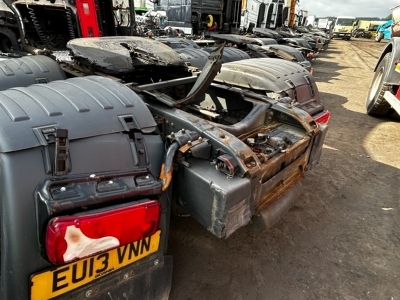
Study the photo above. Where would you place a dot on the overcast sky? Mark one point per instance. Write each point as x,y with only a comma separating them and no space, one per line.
356,8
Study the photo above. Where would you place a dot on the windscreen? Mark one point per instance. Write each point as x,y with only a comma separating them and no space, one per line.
344,22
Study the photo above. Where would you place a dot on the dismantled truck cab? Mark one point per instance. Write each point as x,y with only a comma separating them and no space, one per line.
240,150
248,157
123,147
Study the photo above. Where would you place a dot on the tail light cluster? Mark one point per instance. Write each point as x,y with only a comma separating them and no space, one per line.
87,15
324,118
70,238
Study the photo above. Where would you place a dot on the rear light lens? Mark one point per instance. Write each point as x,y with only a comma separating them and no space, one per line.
398,94
70,238
324,118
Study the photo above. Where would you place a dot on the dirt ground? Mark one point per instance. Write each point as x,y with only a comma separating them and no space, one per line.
341,240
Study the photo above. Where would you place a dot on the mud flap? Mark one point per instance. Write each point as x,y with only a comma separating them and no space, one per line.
316,152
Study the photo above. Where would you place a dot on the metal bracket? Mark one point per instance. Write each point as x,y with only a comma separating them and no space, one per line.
61,153
293,87
140,150
307,78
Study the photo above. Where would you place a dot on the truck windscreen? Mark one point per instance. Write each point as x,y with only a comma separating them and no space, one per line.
344,22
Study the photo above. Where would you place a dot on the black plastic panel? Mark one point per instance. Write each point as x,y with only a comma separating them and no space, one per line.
88,106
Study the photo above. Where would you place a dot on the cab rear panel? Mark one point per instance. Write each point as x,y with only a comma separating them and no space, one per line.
80,147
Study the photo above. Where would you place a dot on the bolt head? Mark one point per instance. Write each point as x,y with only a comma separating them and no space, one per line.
156,262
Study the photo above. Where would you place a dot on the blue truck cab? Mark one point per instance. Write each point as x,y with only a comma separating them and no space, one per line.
384,31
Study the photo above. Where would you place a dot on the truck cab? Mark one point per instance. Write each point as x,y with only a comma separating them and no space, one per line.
343,27
384,31
383,99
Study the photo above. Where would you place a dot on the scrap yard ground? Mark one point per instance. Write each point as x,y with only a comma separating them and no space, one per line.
341,240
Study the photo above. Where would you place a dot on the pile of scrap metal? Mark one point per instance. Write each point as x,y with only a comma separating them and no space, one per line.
309,44
237,47
258,46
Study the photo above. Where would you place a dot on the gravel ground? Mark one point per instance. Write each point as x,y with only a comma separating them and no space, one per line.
341,240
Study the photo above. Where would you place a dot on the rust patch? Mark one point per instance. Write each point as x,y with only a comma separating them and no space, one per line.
186,147
279,190
165,178
262,129
272,166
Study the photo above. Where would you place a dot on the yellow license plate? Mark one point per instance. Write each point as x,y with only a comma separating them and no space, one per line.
57,281
397,68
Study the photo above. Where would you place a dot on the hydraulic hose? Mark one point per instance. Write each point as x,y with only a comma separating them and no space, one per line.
166,168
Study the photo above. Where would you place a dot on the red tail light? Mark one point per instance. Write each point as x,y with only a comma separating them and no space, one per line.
87,15
324,118
398,92
70,238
